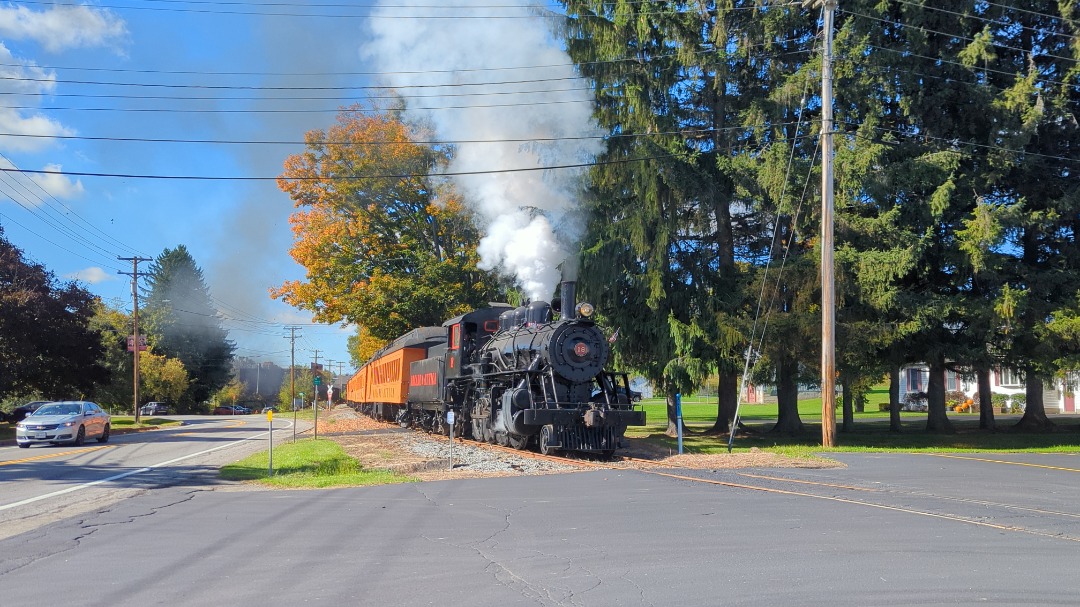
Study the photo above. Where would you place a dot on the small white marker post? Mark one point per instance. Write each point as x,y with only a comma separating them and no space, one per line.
270,418
450,420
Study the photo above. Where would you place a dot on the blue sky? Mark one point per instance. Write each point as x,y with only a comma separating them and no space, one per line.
228,90
237,231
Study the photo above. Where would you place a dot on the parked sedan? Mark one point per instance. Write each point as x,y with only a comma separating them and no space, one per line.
231,410
64,422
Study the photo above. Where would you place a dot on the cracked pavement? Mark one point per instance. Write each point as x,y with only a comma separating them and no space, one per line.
597,538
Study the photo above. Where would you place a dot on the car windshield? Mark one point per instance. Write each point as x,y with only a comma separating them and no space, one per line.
59,410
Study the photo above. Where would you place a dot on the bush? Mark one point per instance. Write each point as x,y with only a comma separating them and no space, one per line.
915,401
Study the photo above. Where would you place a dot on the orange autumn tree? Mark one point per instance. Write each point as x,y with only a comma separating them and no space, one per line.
384,248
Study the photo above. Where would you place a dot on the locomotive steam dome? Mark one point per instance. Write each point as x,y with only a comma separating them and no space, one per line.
577,352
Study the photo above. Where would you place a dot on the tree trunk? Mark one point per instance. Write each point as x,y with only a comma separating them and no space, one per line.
986,404
936,418
894,399
727,400
787,398
672,417
849,421
1034,411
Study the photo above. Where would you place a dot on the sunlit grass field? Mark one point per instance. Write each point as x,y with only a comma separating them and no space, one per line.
308,463
870,430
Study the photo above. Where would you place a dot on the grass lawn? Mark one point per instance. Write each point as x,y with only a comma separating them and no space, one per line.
309,463
127,422
870,430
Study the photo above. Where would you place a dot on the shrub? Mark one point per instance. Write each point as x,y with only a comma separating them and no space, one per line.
915,401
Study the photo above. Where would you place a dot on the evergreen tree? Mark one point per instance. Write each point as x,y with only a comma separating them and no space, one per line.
690,90
181,322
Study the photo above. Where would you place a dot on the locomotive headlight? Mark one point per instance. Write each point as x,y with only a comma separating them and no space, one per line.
585,309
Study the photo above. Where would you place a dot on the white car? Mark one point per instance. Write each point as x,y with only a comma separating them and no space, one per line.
64,422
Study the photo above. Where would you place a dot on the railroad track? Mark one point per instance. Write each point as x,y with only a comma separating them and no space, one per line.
569,459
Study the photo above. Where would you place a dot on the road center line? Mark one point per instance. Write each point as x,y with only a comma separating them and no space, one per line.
52,455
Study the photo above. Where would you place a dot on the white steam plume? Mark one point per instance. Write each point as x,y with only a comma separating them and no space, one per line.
503,79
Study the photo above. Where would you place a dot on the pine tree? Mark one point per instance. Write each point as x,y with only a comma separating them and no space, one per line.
181,322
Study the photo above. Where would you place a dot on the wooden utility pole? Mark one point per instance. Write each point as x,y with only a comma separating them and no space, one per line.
292,375
828,287
134,274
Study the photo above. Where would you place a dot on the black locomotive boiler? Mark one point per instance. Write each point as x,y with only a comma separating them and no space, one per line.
512,376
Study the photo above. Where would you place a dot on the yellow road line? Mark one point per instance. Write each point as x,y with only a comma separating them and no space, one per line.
52,455
1001,461
948,517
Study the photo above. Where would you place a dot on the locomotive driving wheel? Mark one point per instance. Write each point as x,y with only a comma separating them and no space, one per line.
547,434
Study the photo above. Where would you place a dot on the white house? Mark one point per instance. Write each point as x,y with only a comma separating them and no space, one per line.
1057,397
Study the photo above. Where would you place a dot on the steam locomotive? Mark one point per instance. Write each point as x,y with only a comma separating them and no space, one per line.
511,376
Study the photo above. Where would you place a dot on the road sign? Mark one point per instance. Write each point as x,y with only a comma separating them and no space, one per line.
131,343
318,380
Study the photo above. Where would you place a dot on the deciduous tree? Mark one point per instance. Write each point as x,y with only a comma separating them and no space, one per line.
384,247
46,342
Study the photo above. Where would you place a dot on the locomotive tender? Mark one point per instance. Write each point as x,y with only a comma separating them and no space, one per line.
512,376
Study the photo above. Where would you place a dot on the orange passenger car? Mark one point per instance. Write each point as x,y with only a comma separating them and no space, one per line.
388,376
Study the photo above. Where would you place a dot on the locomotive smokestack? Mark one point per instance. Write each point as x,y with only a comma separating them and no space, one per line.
568,303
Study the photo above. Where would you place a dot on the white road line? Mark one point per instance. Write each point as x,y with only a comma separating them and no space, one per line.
123,475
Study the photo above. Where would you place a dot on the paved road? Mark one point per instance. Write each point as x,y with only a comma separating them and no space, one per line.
46,483
887,530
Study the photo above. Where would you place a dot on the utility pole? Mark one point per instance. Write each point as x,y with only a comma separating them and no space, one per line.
292,365
828,288
315,373
134,274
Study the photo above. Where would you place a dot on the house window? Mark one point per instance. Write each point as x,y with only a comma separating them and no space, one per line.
914,380
1009,377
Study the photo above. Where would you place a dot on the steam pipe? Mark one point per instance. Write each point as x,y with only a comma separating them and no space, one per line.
568,303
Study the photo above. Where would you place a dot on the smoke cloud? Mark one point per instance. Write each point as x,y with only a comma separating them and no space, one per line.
509,94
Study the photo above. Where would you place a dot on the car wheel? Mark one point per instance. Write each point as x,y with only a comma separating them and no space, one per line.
24,445
104,438
80,438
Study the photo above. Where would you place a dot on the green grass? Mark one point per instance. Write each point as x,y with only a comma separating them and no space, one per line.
870,431
310,463
123,422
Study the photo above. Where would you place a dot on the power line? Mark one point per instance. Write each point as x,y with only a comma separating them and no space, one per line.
531,11
341,177
688,133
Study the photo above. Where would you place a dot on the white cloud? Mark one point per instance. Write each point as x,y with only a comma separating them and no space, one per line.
92,275
42,129
59,186
24,81
62,27
44,185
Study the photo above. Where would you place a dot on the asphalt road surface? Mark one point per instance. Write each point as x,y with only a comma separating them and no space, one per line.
46,483
887,530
